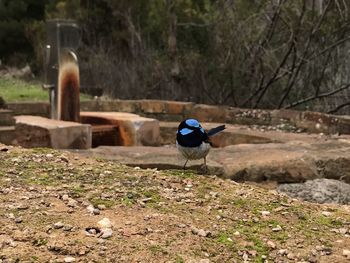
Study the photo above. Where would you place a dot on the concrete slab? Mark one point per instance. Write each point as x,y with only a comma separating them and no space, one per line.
34,131
294,161
133,129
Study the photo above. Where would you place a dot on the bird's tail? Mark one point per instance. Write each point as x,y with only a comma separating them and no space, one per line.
215,130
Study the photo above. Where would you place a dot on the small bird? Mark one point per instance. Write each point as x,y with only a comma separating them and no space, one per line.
193,142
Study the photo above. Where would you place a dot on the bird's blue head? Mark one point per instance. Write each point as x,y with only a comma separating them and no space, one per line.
192,123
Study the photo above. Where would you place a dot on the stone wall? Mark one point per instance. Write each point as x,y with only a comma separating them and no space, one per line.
312,122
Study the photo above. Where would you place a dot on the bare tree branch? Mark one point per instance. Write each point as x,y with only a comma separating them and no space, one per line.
314,97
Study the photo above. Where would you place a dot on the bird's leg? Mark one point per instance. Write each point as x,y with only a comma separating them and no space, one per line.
185,164
205,170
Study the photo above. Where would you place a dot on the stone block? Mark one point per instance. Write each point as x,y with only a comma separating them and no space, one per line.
317,122
90,105
208,113
178,107
30,108
287,115
132,129
132,106
153,106
6,118
34,131
343,125
7,134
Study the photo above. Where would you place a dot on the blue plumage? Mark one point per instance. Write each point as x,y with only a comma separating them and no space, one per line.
192,140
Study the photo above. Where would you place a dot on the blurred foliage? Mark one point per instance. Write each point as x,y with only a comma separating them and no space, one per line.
246,53
18,19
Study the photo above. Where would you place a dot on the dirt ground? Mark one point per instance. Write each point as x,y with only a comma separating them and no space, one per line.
52,204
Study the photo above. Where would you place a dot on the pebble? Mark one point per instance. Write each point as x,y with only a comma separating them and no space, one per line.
65,197
265,213
271,244
277,228
91,231
101,207
69,259
96,211
11,216
105,223
67,228
282,252
18,220
72,202
346,253
204,260
290,256
106,233
203,233
90,209
200,232
326,213
58,225
236,233
343,231
312,259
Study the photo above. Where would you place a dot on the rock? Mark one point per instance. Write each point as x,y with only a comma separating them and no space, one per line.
65,197
294,159
18,220
72,202
105,223
346,253
58,225
271,244
326,213
106,233
236,233
277,228
68,228
91,231
282,252
69,259
290,256
96,211
34,131
265,213
90,209
319,191
101,207
200,232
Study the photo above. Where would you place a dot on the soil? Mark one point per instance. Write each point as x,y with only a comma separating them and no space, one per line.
52,201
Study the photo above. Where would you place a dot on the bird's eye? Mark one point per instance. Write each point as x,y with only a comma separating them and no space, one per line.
185,131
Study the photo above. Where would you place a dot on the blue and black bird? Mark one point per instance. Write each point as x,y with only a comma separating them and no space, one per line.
192,141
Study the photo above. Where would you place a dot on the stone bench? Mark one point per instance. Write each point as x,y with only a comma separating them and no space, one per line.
34,131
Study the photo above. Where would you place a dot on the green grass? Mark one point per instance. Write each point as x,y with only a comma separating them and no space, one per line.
16,90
